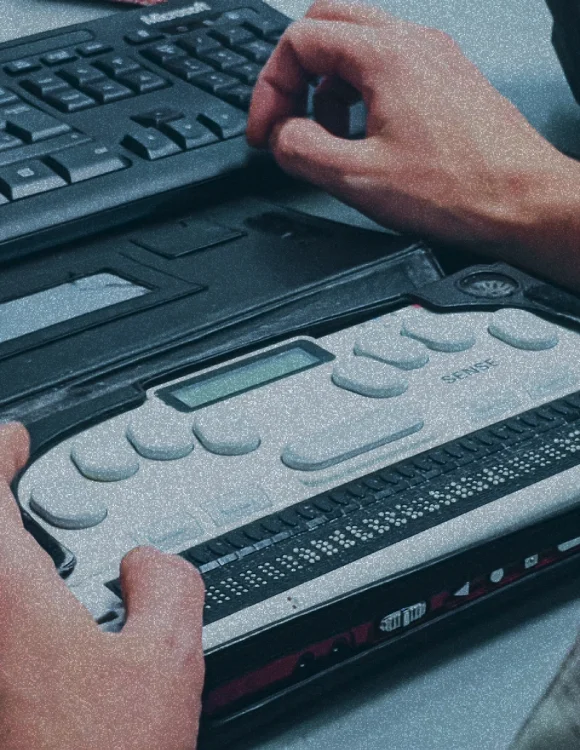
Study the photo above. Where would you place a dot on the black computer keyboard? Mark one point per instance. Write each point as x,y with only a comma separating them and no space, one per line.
104,121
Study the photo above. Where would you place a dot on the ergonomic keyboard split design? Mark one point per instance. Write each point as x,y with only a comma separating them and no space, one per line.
100,121
323,465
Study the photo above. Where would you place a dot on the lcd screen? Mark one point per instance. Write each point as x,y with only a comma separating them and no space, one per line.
246,376
64,302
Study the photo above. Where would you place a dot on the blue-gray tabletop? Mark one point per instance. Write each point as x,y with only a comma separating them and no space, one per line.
474,691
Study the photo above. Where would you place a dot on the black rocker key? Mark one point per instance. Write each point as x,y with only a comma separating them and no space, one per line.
28,178
85,162
232,34
107,91
58,57
215,82
150,144
40,84
240,96
222,59
80,73
188,133
223,120
153,118
31,124
70,100
257,51
116,65
141,81
248,73
187,68
197,42
162,52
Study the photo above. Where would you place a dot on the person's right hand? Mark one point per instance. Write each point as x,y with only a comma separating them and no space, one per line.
445,155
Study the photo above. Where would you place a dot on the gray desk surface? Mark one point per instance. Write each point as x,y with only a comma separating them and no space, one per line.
471,693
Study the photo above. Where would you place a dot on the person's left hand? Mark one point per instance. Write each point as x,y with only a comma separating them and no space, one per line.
66,684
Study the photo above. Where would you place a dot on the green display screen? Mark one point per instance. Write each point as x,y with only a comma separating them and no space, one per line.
234,379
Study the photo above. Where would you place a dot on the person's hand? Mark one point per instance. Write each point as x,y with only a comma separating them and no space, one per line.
64,683
445,155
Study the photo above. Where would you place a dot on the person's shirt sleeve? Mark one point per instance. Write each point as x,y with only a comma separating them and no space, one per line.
554,724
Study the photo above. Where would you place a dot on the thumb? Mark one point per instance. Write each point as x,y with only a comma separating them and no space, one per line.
14,446
163,597
307,150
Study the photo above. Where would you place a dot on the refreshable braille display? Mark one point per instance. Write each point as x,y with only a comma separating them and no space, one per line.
309,469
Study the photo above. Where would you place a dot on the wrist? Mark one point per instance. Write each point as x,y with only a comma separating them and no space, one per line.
543,228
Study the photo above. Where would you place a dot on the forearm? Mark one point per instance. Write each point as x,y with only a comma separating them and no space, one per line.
543,232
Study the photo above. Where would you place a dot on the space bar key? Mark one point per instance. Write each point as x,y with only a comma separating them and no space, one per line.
347,439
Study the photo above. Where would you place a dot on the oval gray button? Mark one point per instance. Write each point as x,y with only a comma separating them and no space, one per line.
442,333
159,438
348,439
369,378
104,460
523,330
67,507
226,435
392,348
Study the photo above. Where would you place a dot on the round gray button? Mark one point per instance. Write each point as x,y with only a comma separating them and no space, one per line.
104,460
442,333
225,435
369,378
522,330
392,348
160,438
67,507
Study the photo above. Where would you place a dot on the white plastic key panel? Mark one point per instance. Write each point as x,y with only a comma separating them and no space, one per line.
175,478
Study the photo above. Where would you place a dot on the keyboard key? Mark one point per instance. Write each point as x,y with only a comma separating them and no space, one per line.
17,67
28,178
188,133
215,82
70,100
222,59
224,122
7,97
106,91
257,51
150,144
240,96
40,84
116,65
58,57
155,117
90,49
31,124
369,378
68,506
197,42
141,36
8,141
522,330
187,68
265,27
162,52
248,73
101,461
233,34
348,439
85,162
141,81
81,73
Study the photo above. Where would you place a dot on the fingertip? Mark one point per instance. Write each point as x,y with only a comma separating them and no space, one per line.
14,449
